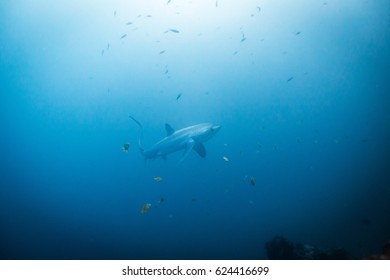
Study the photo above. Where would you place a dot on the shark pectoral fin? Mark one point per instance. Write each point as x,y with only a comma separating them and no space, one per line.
200,149
169,129
189,146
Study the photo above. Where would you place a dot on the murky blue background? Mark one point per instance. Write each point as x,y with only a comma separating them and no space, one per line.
301,89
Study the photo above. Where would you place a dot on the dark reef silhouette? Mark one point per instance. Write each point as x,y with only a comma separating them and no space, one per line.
280,248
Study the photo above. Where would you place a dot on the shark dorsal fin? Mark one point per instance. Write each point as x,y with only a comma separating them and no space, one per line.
169,129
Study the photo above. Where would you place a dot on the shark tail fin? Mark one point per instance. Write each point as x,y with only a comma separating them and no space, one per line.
140,135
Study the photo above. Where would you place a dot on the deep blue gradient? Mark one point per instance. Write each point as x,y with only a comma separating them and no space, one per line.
301,89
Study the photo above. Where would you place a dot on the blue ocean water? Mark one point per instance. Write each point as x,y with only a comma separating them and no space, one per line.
300,88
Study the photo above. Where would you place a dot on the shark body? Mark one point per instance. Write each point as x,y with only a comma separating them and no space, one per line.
187,139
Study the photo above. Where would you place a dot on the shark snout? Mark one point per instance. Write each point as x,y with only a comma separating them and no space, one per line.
215,128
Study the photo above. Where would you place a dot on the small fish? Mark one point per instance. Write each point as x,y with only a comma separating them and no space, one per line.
162,52
174,30
225,159
129,23
126,147
258,9
149,16
123,36
145,208
108,46
216,3
161,200
158,179
252,180
243,38
299,32
169,1
166,71
178,96
290,79
114,13
102,52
